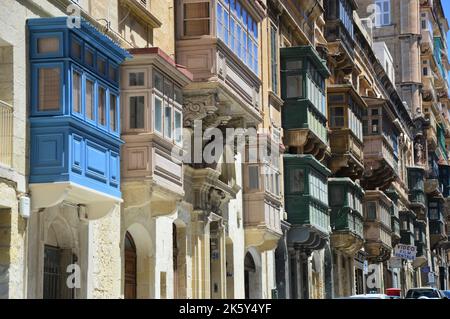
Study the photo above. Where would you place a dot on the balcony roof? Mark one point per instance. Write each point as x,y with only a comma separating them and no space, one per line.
307,160
87,31
310,53
348,181
142,55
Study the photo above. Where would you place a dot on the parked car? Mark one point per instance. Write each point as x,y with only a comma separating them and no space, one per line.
425,293
394,293
446,293
370,296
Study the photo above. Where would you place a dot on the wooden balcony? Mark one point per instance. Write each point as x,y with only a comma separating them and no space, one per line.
306,200
262,198
220,75
346,136
377,225
381,138
420,242
416,185
6,133
151,175
303,91
345,199
380,162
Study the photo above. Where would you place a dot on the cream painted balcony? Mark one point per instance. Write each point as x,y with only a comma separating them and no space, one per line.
225,69
380,146
377,225
6,134
152,129
262,201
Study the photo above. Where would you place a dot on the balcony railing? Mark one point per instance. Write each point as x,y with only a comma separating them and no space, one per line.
6,133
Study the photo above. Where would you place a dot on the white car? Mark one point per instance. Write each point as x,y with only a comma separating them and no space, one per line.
425,293
368,296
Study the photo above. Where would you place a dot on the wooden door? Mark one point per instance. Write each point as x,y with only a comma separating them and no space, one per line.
130,267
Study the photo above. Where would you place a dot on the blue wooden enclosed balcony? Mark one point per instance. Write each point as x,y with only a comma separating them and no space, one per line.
303,90
306,200
346,203
74,115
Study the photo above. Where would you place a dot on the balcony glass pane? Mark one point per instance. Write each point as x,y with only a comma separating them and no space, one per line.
294,86
297,180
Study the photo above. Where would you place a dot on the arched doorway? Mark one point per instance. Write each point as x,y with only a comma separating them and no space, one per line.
252,277
130,267
58,253
250,269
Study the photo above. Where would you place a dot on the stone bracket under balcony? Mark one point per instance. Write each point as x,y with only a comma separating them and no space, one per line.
160,200
98,204
347,242
307,141
307,236
210,193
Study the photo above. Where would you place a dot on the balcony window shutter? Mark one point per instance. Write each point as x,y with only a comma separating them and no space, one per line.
196,19
47,45
49,89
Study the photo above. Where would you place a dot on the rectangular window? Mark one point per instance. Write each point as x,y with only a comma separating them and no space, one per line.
49,89
382,12
76,49
76,92
47,45
168,121
196,19
274,58
137,111
101,106
112,73
90,99
158,82
101,65
136,79
253,177
178,95
178,127
157,121
113,112
371,211
297,180
89,58
294,86
337,117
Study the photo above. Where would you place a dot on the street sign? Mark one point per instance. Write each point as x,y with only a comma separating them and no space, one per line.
426,269
405,251
395,262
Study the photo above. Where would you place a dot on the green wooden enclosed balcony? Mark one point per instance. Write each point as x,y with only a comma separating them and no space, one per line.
303,90
346,217
306,198
416,185
407,219
420,241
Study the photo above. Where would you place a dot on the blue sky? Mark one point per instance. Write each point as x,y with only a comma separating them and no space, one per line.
446,5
